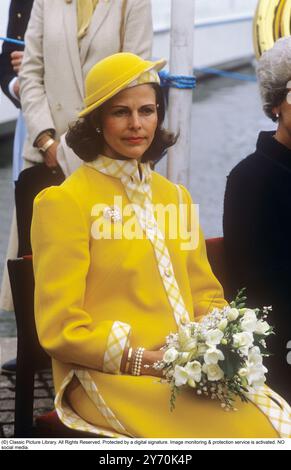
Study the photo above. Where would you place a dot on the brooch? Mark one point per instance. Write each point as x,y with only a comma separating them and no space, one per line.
112,213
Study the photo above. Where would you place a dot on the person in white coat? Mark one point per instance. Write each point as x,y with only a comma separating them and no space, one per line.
64,39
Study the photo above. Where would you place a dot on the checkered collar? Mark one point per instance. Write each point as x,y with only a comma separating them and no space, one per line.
126,170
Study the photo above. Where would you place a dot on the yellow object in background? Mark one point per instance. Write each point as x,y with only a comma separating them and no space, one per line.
278,19
271,22
286,19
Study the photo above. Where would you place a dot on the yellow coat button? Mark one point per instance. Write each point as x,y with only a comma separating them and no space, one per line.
168,272
184,319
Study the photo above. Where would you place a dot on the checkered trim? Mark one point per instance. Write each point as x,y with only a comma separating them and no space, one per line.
73,421
117,341
123,169
164,263
275,408
139,193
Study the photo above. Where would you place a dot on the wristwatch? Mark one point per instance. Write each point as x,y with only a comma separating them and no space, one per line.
46,145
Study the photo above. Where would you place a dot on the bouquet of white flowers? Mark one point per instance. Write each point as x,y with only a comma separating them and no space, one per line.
220,357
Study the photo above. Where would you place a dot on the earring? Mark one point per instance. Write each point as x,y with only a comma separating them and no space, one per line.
98,130
277,115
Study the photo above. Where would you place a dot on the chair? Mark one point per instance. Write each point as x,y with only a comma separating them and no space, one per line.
31,357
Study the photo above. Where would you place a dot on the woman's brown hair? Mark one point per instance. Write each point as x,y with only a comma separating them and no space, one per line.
84,140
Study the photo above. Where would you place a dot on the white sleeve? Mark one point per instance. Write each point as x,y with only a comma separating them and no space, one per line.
11,90
138,31
33,96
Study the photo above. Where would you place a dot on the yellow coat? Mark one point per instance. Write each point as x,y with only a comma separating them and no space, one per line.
85,286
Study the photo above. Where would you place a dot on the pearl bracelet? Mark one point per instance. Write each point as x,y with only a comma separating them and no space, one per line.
136,368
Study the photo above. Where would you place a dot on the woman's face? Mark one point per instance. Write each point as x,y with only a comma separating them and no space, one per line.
129,121
283,133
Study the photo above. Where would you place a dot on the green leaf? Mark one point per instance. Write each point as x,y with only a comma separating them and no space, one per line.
240,300
231,363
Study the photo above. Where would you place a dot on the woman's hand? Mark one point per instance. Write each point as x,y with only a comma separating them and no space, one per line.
50,156
16,60
149,358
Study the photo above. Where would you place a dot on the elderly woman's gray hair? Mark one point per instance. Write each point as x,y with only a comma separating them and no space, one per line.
274,72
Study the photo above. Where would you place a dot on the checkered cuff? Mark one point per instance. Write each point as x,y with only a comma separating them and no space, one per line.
118,339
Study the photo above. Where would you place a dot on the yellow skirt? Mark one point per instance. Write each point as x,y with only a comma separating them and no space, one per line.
142,405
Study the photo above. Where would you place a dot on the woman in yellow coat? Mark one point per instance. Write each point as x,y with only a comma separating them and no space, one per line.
112,277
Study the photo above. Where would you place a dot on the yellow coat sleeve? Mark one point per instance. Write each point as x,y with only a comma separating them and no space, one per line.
207,292
60,237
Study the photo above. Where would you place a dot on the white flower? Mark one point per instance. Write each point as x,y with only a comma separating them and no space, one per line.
202,348
256,375
222,324
184,356
259,383
243,341
180,376
184,334
213,371
232,314
243,372
213,337
262,327
213,355
170,355
254,356
249,321
194,370
187,342
242,311
255,368
191,345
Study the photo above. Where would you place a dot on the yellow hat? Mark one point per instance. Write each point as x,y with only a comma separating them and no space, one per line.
112,74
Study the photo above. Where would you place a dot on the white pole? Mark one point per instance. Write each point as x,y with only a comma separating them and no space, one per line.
180,101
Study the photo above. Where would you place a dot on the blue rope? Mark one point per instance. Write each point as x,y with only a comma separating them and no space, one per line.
12,41
187,82
228,74
183,82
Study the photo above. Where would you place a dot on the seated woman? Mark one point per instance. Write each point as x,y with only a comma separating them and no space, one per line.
257,208
111,282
